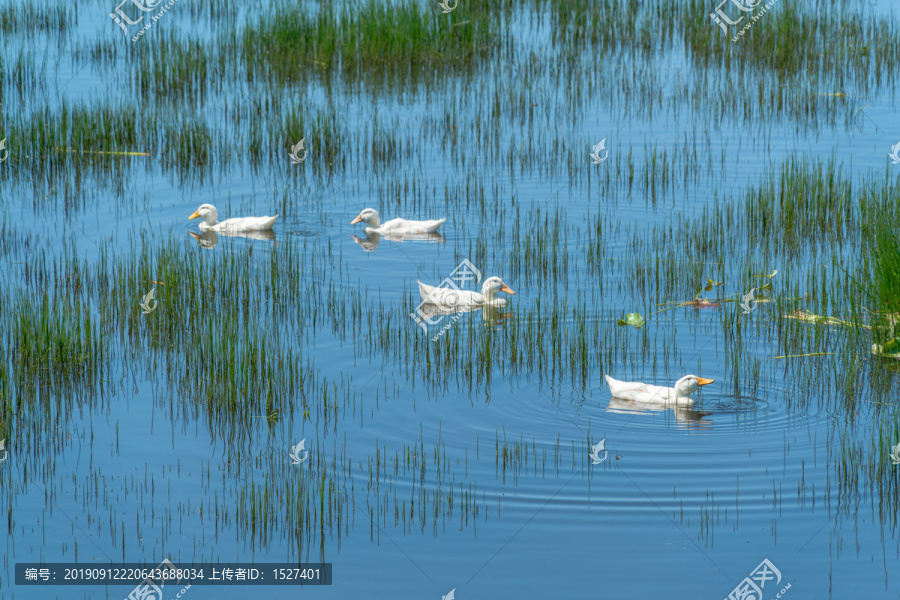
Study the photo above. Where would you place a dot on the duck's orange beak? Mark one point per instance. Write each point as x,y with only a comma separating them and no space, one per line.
194,216
506,288
194,235
356,220
702,381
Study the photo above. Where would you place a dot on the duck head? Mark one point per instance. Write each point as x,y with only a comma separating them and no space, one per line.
369,216
689,384
207,212
492,286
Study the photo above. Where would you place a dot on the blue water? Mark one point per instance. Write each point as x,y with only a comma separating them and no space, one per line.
686,502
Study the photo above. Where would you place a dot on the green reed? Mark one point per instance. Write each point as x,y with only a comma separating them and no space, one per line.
292,40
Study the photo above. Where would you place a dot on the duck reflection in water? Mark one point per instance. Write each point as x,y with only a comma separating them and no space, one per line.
370,242
489,314
209,239
684,417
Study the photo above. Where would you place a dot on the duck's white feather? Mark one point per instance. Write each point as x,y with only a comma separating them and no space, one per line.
634,390
402,226
656,394
454,298
209,221
241,224
395,226
448,297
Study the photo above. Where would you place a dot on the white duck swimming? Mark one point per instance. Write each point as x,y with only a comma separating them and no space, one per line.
451,298
644,392
401,226
209,214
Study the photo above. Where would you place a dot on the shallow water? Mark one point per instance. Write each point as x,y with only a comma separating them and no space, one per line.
463,463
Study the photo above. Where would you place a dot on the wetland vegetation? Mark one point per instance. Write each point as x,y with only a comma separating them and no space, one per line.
463,460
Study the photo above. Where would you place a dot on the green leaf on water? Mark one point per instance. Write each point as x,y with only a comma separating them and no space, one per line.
770,275
633,319
823,320
710,284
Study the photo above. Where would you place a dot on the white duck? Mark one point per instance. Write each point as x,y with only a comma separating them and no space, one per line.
209,214
644,392
396,226
452,298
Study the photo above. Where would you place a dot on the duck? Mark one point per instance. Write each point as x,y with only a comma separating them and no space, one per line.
455,298
210,222
644,392
395,226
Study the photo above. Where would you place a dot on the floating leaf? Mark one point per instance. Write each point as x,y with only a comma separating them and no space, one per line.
112,153
770,275
822,320
633,319
710,284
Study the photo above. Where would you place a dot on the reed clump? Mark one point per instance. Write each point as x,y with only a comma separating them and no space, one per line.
291,39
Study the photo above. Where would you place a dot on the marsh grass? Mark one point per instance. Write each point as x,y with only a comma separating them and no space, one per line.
611,25
886,267
232,343
173,70
835,42
875,284
330,47
32,17
291,41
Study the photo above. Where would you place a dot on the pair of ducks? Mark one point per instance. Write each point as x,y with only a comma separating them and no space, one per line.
444,297
625,390
210,222
430,294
